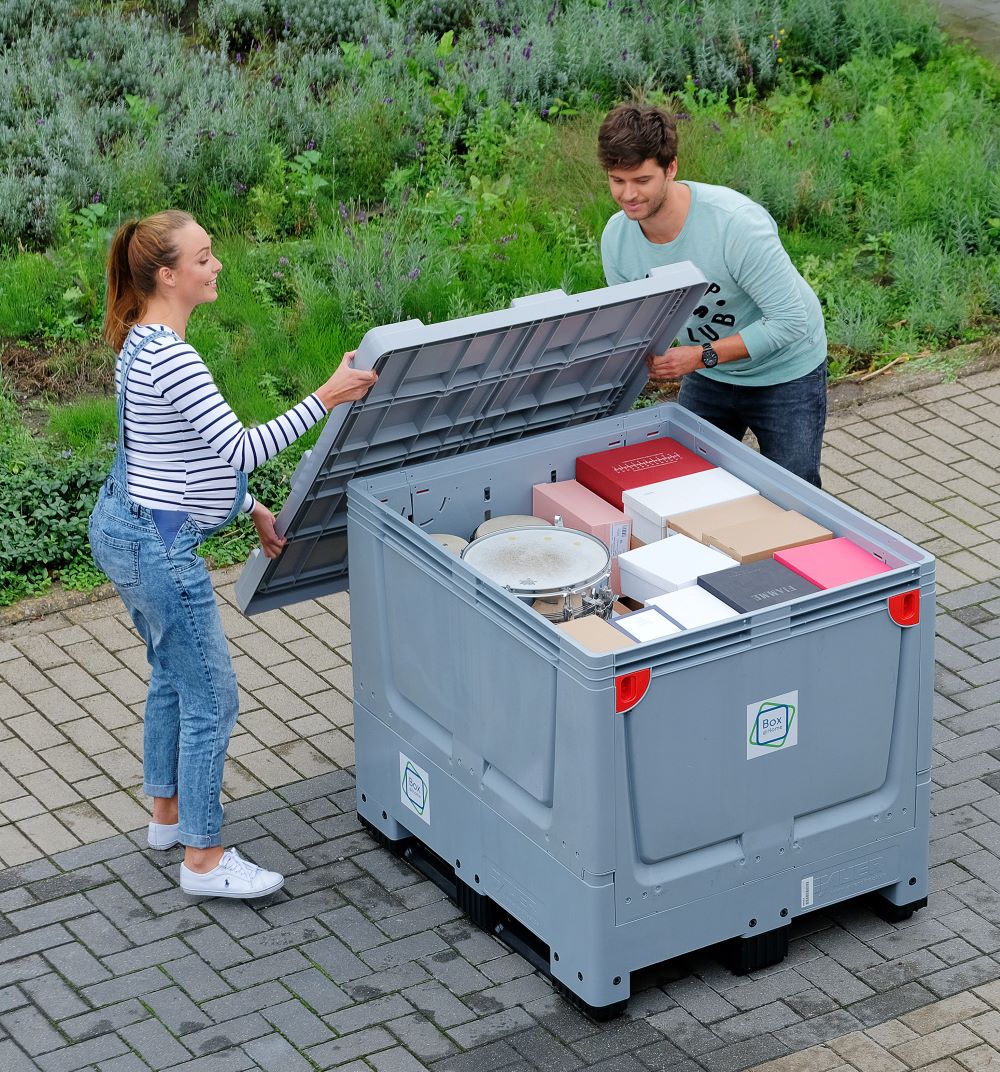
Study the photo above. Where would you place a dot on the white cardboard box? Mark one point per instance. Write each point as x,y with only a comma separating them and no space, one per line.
692,607
667,565
657,503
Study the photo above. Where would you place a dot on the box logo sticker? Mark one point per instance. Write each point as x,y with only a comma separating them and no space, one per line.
772,725
415,788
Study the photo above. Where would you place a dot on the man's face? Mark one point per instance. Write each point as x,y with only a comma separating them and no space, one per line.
641,191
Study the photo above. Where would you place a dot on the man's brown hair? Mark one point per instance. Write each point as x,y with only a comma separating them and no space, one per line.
634,133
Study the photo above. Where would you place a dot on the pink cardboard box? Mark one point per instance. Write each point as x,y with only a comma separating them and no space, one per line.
581,509
831,563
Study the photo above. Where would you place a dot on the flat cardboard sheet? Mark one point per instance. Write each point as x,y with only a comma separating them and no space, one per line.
596,635
761,537
699,523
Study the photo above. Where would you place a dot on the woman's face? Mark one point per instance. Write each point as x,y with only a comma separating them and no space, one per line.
192,280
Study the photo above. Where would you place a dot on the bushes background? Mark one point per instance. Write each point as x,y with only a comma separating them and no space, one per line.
105,100
361,163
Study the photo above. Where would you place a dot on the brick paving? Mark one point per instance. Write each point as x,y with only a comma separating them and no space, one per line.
361,964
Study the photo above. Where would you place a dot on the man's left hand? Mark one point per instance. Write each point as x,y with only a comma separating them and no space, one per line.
678,361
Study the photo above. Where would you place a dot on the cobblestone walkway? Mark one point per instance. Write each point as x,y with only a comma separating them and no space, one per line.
362,964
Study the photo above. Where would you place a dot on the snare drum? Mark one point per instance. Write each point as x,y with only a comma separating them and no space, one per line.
560,572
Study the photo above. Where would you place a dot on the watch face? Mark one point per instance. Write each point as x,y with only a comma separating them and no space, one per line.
709,358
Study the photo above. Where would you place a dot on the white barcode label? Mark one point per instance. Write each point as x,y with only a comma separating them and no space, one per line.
619,539
807,892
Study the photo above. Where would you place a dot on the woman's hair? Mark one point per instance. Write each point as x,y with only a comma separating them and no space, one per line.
138,250
634,133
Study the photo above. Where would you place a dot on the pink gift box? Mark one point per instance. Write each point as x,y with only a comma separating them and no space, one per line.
831,563
581,509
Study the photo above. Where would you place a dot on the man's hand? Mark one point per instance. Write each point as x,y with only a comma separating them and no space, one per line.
263,522
678,361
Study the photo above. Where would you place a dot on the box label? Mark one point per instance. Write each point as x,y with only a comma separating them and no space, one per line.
619,538
772,725
807,892
415,788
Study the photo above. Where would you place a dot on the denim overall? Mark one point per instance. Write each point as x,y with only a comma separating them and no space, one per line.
192,703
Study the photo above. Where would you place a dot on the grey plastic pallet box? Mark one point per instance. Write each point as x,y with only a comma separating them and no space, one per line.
602,813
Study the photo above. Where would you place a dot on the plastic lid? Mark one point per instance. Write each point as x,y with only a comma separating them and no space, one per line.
549,361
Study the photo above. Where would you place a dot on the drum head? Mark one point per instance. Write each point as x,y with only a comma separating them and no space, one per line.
455,544
539,560
510,521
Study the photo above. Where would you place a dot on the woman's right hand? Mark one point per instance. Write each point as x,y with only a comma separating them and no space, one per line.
347,384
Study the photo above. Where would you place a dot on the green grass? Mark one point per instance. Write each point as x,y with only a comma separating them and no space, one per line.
85,427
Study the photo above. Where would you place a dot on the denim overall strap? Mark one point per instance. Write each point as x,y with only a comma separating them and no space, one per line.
118,477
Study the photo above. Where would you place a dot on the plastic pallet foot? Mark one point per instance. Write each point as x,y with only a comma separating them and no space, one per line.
397,848
894,913
744,955
600,1013
478,907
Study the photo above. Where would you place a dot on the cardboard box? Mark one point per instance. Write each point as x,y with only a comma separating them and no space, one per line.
647,625
609,473
652,506
697,523
761,537
693,607
756,585
581,509
668,565
830,564
595,634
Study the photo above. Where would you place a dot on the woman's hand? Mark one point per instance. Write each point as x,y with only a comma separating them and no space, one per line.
263,521
347,384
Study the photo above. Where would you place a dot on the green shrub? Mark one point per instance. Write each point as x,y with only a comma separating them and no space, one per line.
43,526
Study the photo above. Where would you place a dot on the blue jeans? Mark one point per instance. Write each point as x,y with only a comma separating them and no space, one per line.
193,702
787,418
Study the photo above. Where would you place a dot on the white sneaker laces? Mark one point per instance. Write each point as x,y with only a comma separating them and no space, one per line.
232,861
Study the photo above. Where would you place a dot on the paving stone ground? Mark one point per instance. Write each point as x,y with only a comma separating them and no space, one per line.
361,964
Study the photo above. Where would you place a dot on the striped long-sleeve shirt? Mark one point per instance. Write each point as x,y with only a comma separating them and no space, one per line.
183,443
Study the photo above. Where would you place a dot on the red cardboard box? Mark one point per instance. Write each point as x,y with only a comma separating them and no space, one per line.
609,473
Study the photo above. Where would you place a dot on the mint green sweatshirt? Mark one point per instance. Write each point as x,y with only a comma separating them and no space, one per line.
754,289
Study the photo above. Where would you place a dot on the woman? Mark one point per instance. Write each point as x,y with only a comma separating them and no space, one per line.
180,474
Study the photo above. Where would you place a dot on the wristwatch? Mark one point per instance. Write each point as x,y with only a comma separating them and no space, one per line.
709,358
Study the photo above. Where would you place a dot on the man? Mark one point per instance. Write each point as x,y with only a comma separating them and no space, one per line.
753,354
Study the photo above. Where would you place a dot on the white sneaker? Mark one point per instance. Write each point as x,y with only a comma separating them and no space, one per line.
233,877
162,835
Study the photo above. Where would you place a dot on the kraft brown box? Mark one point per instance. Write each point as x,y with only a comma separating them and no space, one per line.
760,537
596,635
709,519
